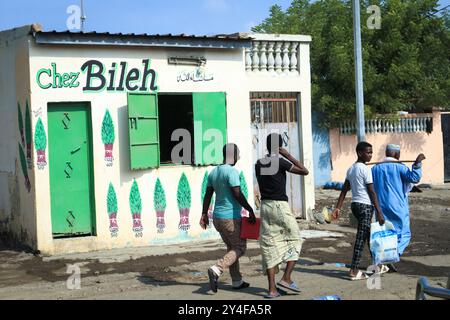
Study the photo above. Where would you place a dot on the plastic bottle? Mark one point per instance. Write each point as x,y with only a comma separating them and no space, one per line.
334,297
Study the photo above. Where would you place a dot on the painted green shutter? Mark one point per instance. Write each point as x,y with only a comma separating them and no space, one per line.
210,112
144,130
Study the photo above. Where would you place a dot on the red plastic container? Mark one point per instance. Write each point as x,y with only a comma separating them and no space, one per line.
250,231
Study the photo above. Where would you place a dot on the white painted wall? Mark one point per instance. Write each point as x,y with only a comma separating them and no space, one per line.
17,216
229,76
228,69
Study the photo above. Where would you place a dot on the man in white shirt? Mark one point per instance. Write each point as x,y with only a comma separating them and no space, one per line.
364,202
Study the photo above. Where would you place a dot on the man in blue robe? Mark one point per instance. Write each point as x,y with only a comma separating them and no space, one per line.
393,181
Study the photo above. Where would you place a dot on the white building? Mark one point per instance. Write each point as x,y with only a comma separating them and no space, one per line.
87,118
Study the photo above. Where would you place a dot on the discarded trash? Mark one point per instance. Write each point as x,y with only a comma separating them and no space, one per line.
339,265
334,297
197,274
319,217
327,214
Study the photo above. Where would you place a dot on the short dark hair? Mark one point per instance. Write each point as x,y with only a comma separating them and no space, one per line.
273,137
230,146
360,147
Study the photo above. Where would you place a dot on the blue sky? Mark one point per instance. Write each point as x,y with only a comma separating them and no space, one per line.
144,16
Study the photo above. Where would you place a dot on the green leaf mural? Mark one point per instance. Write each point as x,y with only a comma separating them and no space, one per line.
204,186
135,199
159,197
27,124
20,118
244,187
40,138
108,136
28,134
111,200
23,164
184,193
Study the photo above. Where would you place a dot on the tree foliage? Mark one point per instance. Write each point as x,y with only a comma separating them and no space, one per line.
406,62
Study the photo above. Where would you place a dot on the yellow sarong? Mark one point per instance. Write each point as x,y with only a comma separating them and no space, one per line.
279,234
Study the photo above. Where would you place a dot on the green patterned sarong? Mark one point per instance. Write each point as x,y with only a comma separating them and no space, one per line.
279,234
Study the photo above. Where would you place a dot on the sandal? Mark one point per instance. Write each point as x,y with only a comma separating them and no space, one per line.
272,296
359,276
383,269
292,286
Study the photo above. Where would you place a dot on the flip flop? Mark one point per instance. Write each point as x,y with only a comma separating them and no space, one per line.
292,286
383,269
272,296
359,276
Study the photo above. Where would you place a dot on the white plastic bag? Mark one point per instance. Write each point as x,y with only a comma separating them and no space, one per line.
383,243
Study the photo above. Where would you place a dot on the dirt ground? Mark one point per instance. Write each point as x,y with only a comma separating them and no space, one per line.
179,272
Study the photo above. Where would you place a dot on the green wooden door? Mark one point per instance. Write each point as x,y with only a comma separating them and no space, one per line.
70,163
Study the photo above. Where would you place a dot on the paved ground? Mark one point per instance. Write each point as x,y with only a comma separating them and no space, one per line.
179,272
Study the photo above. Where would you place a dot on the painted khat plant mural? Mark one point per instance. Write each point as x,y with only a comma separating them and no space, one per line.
20,118
244,190
40,144
28,135
136,209
23,164
111,203
211,205
108,137
184,202
159,204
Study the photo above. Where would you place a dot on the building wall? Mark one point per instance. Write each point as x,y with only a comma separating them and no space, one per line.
321,153
343,150
300,84
228,70
17,218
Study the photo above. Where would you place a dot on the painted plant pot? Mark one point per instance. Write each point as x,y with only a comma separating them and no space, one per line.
137,225
113,227
109,154
184,220
41,161
160,222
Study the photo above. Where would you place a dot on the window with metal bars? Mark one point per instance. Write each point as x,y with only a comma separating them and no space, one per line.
273,108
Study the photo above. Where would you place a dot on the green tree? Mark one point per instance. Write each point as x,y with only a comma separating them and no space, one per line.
406,62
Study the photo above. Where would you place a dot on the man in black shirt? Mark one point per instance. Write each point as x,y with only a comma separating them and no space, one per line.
280,236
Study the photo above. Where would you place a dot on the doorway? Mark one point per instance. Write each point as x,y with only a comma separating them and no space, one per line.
277,112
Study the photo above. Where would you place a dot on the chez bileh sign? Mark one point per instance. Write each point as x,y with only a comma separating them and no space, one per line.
94,76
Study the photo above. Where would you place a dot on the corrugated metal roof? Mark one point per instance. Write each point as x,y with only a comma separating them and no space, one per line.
225,41
234,36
